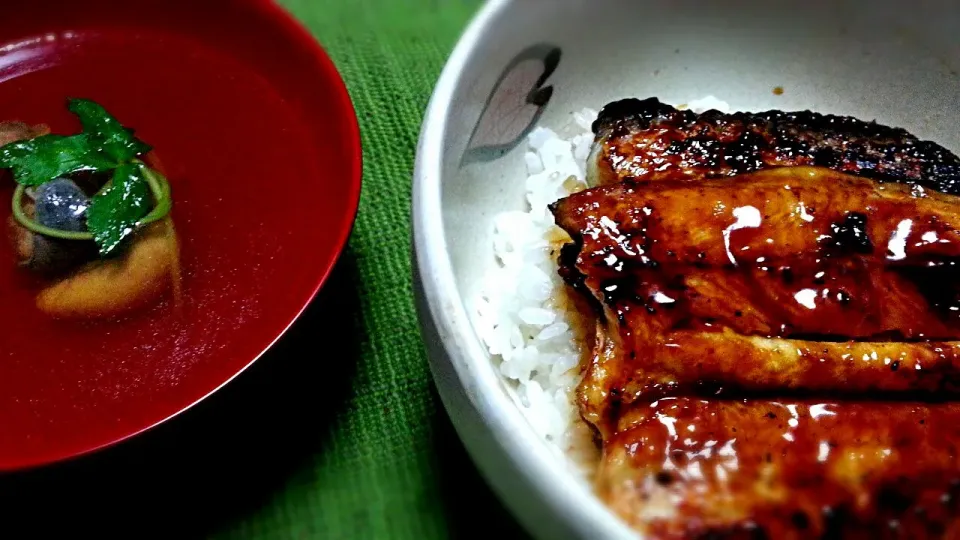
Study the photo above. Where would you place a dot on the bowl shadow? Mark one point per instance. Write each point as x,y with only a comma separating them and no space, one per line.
471,507
220,460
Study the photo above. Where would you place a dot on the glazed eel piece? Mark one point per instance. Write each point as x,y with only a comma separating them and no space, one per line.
780,253
692,468
648,140
777,351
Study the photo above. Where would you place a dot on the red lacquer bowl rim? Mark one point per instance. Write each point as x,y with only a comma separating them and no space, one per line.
301,36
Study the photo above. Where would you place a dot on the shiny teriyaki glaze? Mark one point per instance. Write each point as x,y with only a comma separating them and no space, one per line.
778,342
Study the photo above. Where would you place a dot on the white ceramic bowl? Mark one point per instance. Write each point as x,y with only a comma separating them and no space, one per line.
896,62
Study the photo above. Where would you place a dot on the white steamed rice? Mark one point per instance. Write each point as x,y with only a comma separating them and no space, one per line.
519,313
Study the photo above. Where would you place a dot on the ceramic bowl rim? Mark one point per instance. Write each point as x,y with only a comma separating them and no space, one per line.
564,494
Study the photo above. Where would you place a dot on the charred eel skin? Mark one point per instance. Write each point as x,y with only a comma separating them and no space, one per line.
645,139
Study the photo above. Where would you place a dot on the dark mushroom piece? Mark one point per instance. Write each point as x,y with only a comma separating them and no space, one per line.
62,205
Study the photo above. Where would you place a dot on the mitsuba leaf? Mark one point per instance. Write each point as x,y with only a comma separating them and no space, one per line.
115,140
105,146
39,160
115,211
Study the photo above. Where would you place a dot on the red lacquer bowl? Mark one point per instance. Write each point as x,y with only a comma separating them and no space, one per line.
258,137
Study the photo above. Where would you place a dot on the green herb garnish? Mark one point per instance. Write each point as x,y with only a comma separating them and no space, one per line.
114,140
116,210
37,161
123,203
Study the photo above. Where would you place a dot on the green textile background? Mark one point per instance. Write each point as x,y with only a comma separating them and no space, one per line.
392,467
337,432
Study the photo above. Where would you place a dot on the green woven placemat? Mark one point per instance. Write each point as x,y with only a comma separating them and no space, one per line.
391,466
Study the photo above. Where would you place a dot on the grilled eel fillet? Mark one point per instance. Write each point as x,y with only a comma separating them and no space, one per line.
749,309
693,468
649,140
